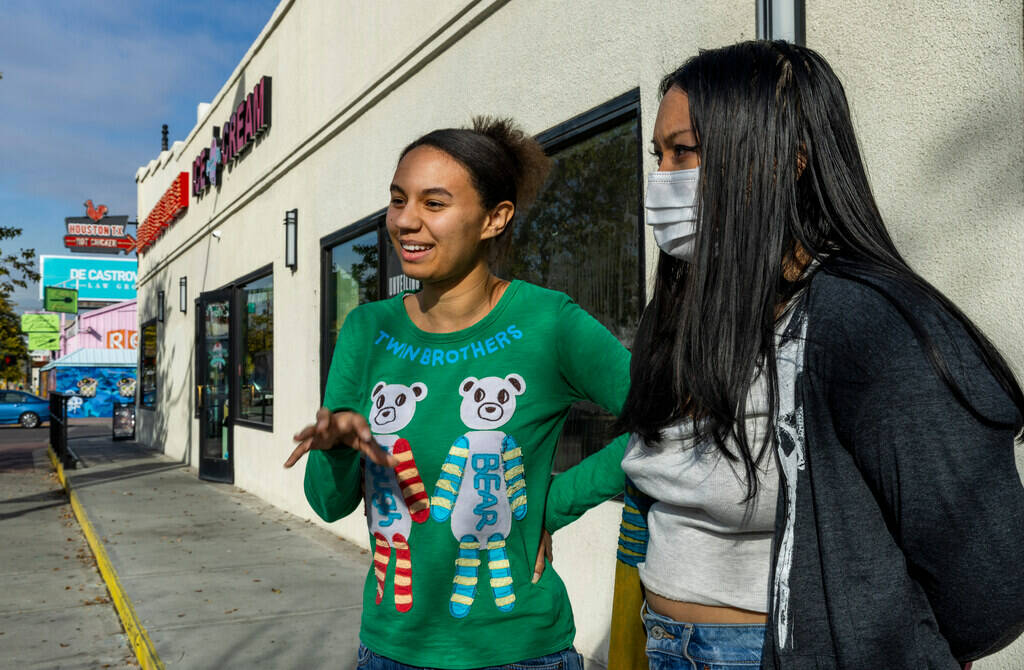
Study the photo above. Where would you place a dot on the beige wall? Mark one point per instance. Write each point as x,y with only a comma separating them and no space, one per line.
937,95
941,133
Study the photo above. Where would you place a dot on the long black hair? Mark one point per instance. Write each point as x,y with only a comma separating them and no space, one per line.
781,179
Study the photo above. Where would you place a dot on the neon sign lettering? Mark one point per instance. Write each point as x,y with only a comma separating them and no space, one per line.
171,205
249,120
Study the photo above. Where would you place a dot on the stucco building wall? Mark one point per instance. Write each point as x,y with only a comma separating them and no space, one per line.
939,122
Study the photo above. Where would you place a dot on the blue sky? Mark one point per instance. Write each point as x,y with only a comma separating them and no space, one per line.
86,86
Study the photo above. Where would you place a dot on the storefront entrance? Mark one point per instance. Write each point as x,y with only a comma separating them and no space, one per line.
213,349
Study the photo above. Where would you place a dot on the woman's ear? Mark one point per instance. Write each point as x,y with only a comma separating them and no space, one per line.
497,220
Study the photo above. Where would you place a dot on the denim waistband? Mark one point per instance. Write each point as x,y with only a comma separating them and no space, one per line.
734,644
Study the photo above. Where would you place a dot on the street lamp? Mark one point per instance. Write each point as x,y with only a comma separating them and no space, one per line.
291,225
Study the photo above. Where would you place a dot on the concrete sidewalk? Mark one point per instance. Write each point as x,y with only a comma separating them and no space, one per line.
55,611
219,578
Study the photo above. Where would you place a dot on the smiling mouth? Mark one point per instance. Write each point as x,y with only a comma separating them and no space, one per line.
414,247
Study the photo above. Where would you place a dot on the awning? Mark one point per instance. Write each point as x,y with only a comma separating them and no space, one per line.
97,358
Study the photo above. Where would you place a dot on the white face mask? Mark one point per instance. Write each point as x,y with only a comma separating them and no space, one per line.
671,207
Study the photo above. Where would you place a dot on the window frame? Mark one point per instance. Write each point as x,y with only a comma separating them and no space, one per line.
593,122
371,223
237,347
620,109
141,374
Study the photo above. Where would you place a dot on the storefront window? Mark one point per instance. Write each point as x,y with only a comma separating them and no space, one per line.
352,279
583,237
148,366
256,383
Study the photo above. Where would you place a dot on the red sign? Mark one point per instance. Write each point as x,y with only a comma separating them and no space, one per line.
105,234
98,229
95,213
172,204
122,339
126,243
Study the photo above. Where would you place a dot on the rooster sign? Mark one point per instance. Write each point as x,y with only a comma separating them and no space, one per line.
95,213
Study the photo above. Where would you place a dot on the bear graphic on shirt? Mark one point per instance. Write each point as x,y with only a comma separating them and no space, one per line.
482,487
395,497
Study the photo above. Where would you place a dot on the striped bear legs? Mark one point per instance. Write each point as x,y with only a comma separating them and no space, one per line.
403,574
381,556
403,569
467,567
464,583
501,575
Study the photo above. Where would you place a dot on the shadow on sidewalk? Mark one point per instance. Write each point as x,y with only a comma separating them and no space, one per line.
54,498
106,461
83,479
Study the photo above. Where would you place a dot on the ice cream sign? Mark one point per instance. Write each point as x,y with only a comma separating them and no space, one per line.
248,120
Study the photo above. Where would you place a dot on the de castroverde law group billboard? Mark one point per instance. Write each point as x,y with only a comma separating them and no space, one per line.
101,279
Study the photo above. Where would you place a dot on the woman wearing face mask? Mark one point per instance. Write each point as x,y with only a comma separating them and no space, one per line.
823,444
456,395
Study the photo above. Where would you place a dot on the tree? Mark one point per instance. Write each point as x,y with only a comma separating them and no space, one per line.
16,270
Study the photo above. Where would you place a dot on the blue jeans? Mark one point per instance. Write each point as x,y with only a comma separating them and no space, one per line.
567,659
672,645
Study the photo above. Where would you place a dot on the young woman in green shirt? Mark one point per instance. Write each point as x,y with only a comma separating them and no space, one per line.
454,397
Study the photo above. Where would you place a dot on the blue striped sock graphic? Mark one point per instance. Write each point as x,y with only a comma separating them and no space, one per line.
464,582
501,575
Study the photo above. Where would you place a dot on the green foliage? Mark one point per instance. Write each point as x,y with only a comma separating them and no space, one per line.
12,342
16,270
365,271
581,234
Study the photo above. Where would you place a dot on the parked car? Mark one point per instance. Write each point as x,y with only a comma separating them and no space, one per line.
24,408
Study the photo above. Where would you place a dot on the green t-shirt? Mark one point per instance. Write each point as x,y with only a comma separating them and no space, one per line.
473,417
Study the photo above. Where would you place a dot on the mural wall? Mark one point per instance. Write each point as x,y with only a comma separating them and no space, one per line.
94,389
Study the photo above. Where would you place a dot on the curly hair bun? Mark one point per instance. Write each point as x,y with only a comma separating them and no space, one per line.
530,164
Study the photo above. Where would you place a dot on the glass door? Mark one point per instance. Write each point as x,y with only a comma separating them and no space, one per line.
213,348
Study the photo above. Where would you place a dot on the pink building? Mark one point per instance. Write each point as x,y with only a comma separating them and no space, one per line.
112,327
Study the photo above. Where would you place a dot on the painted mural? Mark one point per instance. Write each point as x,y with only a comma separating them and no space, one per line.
94,389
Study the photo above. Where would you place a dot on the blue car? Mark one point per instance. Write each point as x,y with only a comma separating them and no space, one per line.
23,408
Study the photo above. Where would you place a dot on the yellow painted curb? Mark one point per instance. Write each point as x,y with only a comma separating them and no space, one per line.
145,652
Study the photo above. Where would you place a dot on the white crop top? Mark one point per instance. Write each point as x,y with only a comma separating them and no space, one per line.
705,544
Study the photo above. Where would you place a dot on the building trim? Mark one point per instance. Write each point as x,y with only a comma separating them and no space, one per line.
457,26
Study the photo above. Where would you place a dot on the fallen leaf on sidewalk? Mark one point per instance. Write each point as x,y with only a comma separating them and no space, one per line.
275,590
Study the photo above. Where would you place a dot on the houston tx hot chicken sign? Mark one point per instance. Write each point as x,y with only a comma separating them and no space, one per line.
98,233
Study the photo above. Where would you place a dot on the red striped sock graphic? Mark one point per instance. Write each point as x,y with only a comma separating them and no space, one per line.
413,490
381,556
403,574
